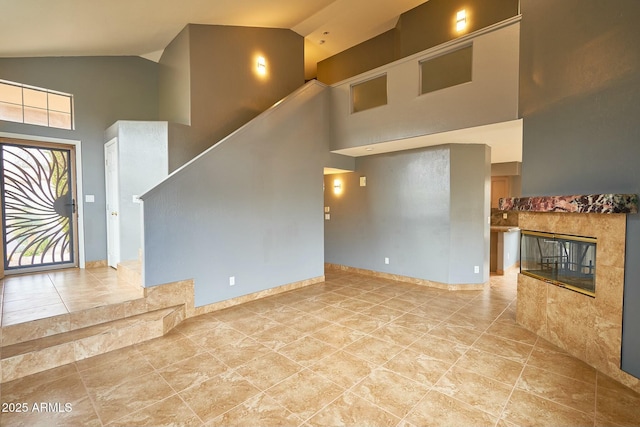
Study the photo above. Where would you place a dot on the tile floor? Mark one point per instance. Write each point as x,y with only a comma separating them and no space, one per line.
35,296
354,350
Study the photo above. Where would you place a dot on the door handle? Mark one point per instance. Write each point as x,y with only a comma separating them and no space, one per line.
73,205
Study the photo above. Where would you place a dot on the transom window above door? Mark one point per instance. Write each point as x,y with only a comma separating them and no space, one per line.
35,106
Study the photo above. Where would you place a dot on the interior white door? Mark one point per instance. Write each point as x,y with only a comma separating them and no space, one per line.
113,218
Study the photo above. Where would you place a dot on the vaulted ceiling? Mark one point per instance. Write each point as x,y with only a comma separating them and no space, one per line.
145,27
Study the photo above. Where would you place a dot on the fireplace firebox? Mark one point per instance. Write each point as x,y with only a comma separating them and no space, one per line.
563,260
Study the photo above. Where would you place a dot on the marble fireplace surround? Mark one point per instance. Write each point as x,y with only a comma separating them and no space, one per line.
587,328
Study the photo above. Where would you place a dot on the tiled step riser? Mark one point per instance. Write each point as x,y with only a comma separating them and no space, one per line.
33,362
131,272
156,297
41,328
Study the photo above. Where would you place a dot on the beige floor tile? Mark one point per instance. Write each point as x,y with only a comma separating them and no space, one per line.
416,323
352,410
260,410
277,337
115,372
525,409
129,396
617,403
389,343
338,336
513,350
308,323
471,388
562,364
241,352
305,393
219,337
218,395
440,410
396,334
343,368
363,323
63,414
192,371
566,391
390,391
166,351
513,332
458,334
438,348
374,350
418,367
500,369
307,350
169,412
268,370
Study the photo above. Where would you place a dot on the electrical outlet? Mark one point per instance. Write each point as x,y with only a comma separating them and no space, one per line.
232,280
504,215
476,269
386,260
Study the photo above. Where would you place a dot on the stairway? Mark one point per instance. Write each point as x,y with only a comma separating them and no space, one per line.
43,344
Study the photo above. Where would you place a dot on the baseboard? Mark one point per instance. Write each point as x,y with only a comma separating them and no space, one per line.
412,280
209,308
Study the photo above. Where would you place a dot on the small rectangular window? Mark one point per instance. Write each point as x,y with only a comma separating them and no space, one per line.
36,106
450,69
369,94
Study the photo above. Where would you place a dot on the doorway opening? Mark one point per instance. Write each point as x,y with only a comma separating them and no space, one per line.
39,208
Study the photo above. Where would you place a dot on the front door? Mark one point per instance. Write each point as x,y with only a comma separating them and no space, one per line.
39,215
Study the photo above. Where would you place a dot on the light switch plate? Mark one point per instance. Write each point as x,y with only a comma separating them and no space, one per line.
327,216
363,181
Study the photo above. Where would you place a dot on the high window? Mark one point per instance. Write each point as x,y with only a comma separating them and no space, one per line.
35,106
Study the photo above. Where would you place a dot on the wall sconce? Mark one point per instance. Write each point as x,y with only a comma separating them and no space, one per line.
337,186
461,20
262,66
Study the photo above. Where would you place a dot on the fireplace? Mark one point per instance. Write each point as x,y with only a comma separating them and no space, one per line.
560,259
586,323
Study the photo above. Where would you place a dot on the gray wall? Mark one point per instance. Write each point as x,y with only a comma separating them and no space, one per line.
143,162
417,208
105,89
175,81
580,86
249,207
428,25
492,96
217,66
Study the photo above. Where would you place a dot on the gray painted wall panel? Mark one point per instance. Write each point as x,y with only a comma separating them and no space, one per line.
105,89
491,97
250,207
143,163
580,85
405,213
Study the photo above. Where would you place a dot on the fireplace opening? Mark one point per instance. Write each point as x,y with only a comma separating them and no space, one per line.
559,259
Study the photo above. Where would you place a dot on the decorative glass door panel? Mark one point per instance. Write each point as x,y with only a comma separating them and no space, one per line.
38,199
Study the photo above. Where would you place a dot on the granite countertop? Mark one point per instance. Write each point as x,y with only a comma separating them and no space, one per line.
504,228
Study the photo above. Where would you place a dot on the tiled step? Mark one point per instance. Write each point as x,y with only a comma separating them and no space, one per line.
29,357
130,271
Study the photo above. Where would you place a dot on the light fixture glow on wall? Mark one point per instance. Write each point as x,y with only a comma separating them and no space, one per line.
337,186
262,66
461,20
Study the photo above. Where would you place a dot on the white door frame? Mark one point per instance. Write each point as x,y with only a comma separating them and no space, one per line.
113,236
80,205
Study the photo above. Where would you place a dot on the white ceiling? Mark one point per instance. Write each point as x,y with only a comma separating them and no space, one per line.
145,27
